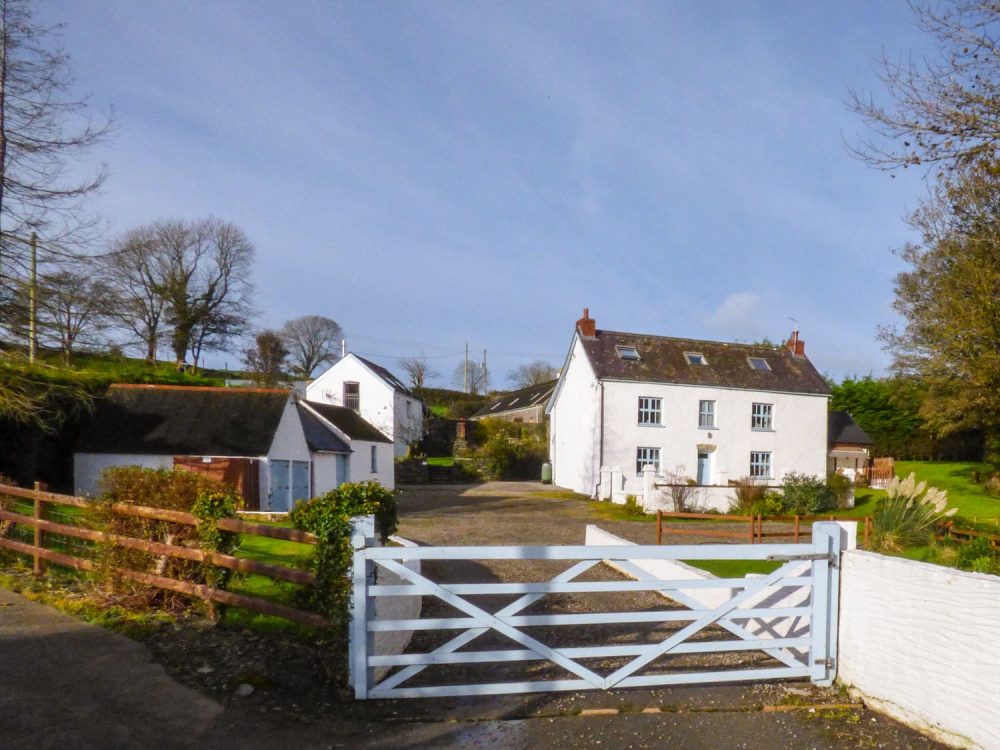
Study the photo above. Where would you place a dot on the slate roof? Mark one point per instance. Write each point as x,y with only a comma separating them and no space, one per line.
841,428
319,437
182,420
349,422
387,376
662,360
534,395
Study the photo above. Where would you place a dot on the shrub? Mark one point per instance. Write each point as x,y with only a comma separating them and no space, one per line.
633,507
807,495
978,556
841,487
329,518
683,494
172,490
748,494
906,517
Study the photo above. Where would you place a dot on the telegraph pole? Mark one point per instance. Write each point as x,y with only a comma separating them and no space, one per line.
486,377
465,379
33,302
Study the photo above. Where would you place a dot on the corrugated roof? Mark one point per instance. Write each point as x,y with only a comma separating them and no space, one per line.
841,428
181,420
534,395
319,437
662,360
349,422
387,376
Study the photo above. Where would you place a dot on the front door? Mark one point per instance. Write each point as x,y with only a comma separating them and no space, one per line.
300,481
704,469
278,499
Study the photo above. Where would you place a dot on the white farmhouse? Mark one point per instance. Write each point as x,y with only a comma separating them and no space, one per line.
374,393
708,411
273,449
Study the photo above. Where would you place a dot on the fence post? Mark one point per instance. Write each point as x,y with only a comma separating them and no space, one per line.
796,528
38,567
659,526
361,642
828,540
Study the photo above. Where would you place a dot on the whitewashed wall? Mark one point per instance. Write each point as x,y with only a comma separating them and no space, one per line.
87,468
797,443
361,463
922,643
408,422
324,473
574,429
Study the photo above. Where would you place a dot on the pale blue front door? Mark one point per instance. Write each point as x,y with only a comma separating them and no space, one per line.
278,498
300,481
703,468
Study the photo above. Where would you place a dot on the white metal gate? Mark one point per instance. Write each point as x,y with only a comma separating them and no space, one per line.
789,617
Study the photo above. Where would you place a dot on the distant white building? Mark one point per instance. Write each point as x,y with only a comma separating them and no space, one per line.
374,393
709,411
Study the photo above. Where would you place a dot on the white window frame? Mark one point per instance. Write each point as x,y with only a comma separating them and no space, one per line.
650,411
645,455
696,359
762,418
765,368
627,353
761,465
706,418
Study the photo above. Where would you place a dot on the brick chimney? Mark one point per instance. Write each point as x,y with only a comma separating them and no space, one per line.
586,325
796,345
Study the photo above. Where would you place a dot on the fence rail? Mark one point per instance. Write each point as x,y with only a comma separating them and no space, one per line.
40,554
964,536
754,533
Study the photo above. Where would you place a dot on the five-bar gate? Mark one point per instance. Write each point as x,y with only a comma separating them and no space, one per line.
787,617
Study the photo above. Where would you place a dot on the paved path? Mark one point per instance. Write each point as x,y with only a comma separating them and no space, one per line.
67,684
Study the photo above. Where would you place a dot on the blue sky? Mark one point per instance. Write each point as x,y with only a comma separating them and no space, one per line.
435,173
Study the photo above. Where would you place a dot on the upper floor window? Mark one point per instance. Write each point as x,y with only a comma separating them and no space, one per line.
352,396
695,358
761,417
706,414
759,363
647,457
760,464
649,410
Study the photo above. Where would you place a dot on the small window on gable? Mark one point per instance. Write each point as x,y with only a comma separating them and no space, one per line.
627,352
695,358
759,363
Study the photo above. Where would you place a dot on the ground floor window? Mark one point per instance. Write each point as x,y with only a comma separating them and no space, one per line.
647,457
374,459
760,464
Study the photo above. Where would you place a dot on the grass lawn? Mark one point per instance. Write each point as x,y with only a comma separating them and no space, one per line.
974,504
441,461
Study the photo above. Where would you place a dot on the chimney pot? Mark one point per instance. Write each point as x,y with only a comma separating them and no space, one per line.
587,325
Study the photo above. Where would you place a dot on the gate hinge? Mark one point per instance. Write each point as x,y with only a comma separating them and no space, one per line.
827,662
828,556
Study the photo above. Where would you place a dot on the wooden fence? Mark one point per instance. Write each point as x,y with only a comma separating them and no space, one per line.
754,531
40,554
963,536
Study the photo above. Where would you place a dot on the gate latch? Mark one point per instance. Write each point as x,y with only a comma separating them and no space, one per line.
829,557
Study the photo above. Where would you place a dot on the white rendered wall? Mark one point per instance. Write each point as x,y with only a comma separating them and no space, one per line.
289,444
87,468
361,463
324,473
407,428
376,398
797,442
574,427
922,643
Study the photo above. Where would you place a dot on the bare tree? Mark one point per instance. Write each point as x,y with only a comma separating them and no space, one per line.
682,492
43,128
266,358
312,340
418,370
943,111
478,378
73,309
193,276
534,373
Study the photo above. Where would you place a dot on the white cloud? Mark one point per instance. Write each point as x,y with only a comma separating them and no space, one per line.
738,317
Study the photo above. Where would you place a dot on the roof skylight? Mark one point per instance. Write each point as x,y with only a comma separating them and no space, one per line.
759,363
695,358
627,352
